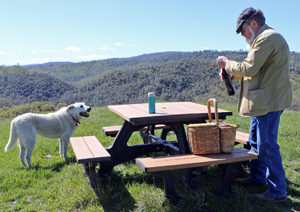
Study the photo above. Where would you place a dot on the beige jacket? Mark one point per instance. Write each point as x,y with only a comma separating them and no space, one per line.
264,75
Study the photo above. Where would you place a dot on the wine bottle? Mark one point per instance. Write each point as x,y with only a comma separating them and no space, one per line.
228,83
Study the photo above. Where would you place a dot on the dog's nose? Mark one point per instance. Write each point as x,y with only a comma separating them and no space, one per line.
89,109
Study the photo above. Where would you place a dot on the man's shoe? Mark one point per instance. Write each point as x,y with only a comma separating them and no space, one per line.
246,182
267,198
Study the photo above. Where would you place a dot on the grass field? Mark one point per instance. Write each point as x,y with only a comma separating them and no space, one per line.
58,185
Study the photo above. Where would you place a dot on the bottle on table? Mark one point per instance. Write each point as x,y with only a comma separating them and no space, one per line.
151,102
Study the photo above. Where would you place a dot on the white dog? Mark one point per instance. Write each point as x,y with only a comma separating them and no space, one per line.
60,124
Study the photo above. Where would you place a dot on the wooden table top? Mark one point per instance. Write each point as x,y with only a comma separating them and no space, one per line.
138,114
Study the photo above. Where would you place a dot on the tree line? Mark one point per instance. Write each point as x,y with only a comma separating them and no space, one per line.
34,107
173,76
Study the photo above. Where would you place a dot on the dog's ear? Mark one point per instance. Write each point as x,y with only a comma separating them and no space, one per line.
70,107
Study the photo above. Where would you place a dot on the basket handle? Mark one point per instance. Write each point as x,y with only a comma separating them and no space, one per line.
216,110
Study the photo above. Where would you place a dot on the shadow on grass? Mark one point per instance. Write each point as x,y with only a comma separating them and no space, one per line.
57,167
293,190
113,194
293,184
202,196
111,190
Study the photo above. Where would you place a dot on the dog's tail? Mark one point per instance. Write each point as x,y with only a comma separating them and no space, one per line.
13,138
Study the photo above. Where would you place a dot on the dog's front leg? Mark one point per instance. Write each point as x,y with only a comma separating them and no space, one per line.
61,147
64,147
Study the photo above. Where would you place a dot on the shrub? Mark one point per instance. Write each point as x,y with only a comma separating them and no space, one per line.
35,107
47,107
61,105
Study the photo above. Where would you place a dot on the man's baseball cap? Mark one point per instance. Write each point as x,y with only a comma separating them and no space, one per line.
244,17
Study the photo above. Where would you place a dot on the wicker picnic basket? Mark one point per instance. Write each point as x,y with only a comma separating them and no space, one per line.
227,137
205,138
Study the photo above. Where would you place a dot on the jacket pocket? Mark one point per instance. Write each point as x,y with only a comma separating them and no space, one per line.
258,101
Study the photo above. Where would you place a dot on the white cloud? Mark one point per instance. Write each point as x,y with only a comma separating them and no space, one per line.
118,44
34,61
56,50
203,47
132,45
73,49
30,61
45,51
105,48
58,59
11,63
3,53
92,57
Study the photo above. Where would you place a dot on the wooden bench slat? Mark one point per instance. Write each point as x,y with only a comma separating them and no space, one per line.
190,160
88,149
242,137
95,146
80,148
242,134
113,130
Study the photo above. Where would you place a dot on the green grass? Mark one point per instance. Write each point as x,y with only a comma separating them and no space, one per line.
58,185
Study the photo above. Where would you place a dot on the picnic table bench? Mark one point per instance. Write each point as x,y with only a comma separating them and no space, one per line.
113,130
89,151
163,164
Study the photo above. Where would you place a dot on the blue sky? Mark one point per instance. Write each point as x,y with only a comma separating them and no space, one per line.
36,31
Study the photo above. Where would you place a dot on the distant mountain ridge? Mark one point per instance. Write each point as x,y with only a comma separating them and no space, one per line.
173,76
43,64
79,73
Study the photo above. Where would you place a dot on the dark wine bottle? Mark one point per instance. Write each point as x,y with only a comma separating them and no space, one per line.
228,83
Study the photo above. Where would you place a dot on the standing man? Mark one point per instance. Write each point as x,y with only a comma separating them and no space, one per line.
265,92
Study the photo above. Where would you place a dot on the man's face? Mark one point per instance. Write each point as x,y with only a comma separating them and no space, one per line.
248,32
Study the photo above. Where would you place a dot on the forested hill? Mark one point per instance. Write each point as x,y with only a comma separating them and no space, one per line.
173,76
20,86
186,80
81,72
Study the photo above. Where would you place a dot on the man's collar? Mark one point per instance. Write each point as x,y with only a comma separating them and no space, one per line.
261,29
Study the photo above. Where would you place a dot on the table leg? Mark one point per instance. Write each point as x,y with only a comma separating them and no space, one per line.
179,130
190,178
145,134
119,150
164,133
90,171
168,184
225,187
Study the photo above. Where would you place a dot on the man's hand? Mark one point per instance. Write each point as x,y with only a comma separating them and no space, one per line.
221,76
222,61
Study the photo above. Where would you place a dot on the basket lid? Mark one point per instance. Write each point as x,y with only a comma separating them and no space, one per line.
225,125
202,125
